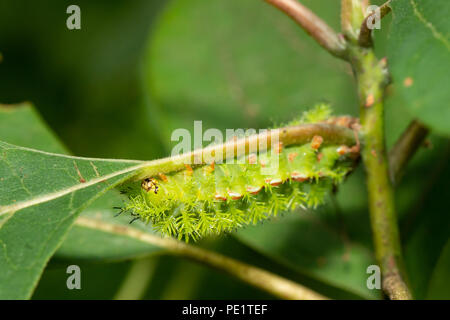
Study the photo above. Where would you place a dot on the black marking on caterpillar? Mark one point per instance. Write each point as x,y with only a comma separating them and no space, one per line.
219,198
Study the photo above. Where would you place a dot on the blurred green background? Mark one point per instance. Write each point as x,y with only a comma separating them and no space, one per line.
139,69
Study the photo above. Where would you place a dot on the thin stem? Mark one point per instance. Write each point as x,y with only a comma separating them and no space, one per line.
313,25
330,133
372,78
365,34
264,280
404,149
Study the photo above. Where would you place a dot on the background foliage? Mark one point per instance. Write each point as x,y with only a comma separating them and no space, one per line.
139,69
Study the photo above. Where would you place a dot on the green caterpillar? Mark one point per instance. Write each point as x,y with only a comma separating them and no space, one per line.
218,198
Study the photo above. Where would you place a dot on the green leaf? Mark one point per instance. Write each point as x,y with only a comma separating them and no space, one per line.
239,64
81,242
21,125
418,53
40,196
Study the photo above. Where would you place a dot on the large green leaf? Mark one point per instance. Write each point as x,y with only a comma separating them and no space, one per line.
81,242
419,58
41,194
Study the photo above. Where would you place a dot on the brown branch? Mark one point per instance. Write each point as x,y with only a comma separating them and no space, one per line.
395,287
333,134
313,25
404,149
365,34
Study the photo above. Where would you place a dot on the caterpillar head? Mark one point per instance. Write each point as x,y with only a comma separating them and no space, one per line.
150,185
